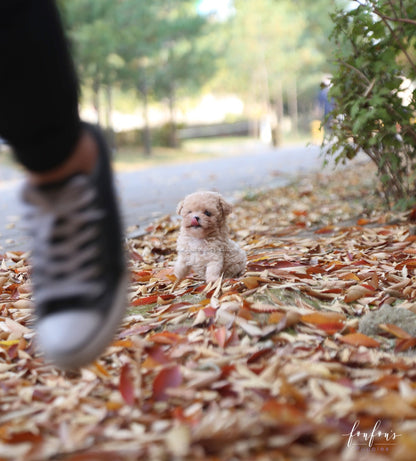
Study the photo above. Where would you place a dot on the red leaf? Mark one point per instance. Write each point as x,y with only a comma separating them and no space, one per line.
156,357
126,384
325,230
151,299
363,222
166,337
331,328
389,382
300,212
24,437
141,276
411,263
412,215
405,344
210,312
166,379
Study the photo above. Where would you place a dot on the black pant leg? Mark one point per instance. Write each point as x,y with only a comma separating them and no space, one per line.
38,85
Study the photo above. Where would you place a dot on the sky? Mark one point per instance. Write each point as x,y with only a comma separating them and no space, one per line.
222,8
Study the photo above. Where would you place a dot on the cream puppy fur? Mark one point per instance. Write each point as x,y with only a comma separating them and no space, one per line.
204,245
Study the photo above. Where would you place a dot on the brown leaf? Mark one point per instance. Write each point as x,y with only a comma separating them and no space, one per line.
220,335
276,317
323,317
395,331
356,292
251,282
359,339
283,413
330,322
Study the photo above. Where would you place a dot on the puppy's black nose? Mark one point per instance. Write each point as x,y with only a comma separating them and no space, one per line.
197,218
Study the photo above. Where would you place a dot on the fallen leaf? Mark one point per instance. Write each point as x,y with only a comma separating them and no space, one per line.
151,299
169,377
359,339
165,337
126,384
330,322
356,292
220,336
395,331
405,344
325,230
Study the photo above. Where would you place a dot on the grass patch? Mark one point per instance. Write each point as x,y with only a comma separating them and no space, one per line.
133,157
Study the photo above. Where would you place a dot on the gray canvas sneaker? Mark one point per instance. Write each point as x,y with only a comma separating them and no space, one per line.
78,266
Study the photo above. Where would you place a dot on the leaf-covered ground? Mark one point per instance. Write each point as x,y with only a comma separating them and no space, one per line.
276,365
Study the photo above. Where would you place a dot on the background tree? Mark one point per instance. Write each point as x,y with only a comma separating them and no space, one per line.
139,44
277,55
374,94
271,53
186,60
92,33
154,47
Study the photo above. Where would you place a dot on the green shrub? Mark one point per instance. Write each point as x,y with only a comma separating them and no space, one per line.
375,57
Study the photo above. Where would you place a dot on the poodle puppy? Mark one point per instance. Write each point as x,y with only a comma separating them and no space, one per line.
204,245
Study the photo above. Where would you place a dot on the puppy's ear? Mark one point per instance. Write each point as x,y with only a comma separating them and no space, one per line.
225,207
179,207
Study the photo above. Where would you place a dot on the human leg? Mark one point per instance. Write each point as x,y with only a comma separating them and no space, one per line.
38,85
78,266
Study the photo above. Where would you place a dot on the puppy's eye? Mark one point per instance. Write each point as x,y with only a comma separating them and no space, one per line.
207,213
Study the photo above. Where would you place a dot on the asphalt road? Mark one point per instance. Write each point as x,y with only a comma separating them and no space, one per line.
149,193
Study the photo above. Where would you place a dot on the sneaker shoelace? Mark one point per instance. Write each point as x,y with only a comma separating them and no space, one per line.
63,222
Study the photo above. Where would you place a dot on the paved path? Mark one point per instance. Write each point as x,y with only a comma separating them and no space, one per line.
152,192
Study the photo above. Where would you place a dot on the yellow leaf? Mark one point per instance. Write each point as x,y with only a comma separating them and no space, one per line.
8,343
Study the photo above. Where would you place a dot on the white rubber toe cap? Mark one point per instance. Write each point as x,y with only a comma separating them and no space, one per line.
63,335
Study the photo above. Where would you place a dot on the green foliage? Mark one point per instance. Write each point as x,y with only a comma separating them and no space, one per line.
90,27
274,46
375,56
155,47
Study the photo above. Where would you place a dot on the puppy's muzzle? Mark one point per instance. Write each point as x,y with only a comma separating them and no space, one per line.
195,221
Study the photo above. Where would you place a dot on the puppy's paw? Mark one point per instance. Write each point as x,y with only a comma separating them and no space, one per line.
212,275
180,271
211,278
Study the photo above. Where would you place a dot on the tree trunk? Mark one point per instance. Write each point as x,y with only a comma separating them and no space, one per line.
279,103
173,141
279,114
109,108
293,106
147,142
108,118
96,100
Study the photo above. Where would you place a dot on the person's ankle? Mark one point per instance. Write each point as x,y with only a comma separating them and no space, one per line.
82,160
